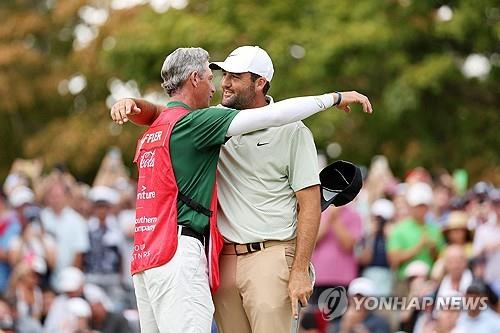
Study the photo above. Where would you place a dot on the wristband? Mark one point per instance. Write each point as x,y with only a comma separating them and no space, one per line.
339,99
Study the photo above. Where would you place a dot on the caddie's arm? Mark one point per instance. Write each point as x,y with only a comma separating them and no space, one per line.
137,110
309,213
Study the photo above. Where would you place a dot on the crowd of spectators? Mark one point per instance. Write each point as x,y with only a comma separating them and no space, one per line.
65,251
424,236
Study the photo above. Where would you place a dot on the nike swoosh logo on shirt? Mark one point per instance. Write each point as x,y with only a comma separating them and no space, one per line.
262,144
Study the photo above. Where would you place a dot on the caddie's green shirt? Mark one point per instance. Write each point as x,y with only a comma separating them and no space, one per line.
194,149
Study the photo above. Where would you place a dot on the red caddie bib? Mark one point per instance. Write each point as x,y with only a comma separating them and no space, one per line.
156,231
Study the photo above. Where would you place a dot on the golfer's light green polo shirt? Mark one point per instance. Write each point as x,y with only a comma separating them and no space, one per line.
259,173
407,234
194,149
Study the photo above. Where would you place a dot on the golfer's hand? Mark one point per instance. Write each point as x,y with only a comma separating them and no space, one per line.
349,97
122,109
299,289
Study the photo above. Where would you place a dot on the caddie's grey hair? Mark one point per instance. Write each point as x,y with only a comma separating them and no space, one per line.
180,64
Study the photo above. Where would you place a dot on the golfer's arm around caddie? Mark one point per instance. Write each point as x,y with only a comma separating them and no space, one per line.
277,114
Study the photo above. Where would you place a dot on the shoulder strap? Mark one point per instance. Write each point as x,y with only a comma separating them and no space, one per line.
196,206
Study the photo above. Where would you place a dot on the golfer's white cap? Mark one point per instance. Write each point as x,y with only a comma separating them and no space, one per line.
244,59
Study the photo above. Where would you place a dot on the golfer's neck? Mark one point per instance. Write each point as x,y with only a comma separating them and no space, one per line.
258,102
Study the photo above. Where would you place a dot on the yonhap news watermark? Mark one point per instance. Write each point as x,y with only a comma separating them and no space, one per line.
333,303
395,303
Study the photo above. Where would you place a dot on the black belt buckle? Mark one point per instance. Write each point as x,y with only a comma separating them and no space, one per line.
251,248
254,247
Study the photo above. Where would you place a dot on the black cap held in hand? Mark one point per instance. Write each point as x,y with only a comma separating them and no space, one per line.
340,181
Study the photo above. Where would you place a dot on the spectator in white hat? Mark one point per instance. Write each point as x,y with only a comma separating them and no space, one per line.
24,287
102,263
103,319
20,196
417,269
372,255
70,284
418,285
358,318
412,238
34,241
26,294
78,317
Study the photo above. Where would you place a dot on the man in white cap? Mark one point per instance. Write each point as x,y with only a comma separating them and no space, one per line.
102,262
103,319
412,238
264,176
372,249
357,317
70,284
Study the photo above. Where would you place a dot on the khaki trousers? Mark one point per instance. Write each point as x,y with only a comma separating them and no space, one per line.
253,294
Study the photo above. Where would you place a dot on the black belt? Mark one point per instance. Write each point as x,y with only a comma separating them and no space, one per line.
187,231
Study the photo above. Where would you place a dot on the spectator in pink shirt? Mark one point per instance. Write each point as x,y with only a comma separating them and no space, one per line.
334,260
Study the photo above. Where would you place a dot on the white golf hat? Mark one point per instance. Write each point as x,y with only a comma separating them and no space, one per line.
70,279
361,286
95,294
383,208
244,59
419,194
79,307
21,195
104,194
417,268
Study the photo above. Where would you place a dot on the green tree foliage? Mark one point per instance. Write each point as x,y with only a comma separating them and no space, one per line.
398,52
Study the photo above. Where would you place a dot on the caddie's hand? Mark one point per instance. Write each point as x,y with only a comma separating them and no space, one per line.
122,109
349,97
299,289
